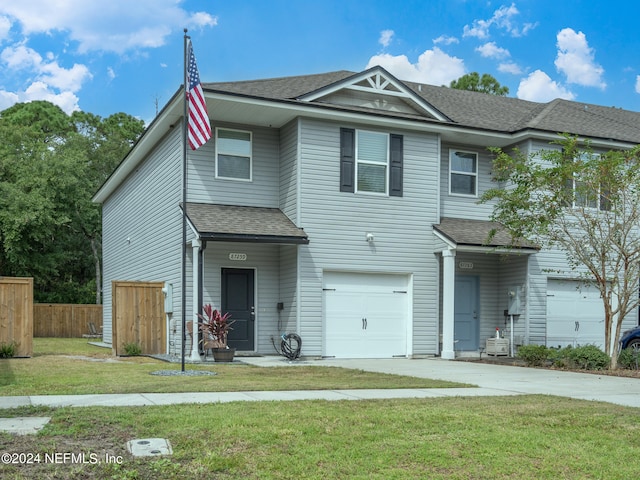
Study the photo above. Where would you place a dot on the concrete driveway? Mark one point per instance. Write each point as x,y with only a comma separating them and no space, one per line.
521,380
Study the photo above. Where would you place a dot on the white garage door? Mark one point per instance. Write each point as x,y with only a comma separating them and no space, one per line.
575,314
365,315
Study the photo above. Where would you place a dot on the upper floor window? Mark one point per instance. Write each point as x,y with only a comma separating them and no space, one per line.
372,159
233,154
463,173
371,162
586,194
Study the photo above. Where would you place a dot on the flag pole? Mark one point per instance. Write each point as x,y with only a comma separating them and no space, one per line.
184,207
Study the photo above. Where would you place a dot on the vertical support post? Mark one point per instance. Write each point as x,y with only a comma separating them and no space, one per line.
448,303
195,245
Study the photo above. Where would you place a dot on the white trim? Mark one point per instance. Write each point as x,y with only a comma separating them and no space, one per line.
448,304
368,162
468,174
379,82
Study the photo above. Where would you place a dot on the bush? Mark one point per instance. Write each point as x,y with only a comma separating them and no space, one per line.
132,349
588,357
629,359
8,350
560,357
533,355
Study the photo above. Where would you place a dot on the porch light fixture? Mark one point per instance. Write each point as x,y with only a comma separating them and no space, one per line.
369,237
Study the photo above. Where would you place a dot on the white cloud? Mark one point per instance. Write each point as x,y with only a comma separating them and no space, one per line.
47,79
538,87
504,19
67,101
111,73
116,26
385,37
491,50
5,26
638,84
445,40
510,67
7,99
434,67
22,58
577,61
70,79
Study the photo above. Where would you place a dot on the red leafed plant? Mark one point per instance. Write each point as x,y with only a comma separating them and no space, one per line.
215,327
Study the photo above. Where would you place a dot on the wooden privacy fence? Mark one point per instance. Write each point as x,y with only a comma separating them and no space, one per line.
65,320
138,316
16,314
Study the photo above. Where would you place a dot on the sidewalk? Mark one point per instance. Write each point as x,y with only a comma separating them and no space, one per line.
492,380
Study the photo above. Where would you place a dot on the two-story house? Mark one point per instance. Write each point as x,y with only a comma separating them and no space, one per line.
344,207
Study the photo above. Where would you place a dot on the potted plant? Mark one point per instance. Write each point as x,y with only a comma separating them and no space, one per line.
215,328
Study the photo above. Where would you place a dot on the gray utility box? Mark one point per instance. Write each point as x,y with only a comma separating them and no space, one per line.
497,346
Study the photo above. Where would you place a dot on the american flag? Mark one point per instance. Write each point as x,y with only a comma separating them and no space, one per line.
199,126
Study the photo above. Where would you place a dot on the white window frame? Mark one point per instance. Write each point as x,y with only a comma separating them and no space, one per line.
469,174
222,152
597,194
358,161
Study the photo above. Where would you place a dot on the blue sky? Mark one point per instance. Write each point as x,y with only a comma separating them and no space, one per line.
107,57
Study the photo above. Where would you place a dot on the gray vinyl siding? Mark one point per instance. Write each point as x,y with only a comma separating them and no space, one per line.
456,206
337,223
288,289
289,170
142,227
261,191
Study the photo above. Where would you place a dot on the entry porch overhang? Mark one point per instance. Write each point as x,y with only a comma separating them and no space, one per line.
464,235
233,223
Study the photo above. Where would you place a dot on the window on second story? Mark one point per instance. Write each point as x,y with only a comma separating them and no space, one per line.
233,154
583,194
371,162
463,173
372,158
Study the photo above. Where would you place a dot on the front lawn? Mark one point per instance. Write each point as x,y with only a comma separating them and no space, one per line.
72,366
524,437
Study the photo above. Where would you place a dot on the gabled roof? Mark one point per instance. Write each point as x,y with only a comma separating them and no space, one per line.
231,223
377,83
456,115
459,108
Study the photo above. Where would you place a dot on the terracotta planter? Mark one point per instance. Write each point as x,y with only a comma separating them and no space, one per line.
223,354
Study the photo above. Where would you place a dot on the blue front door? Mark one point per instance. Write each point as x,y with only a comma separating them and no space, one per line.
466,312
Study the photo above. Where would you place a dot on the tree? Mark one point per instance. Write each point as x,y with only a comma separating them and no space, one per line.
585,204
51,164
485,84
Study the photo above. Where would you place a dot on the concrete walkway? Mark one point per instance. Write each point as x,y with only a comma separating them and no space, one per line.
492,380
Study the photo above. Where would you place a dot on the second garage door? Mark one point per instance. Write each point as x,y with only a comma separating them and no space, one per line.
365,315
575,314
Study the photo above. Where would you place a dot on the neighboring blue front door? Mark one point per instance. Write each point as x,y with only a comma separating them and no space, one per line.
467,314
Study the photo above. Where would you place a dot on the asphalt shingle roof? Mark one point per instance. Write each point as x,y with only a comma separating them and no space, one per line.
466,108
248,224
475,233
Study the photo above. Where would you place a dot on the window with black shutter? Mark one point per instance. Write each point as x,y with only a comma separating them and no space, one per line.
371,162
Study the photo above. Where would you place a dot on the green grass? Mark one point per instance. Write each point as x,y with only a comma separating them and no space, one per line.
87,369
524,437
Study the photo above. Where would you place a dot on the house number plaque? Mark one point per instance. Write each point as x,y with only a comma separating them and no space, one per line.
466,265
238,257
